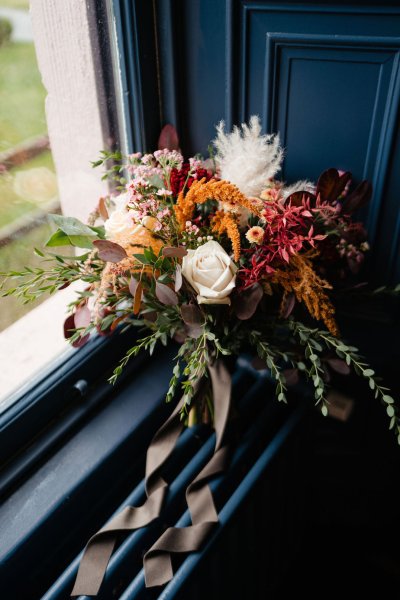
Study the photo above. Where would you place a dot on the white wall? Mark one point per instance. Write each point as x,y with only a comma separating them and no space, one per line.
70,71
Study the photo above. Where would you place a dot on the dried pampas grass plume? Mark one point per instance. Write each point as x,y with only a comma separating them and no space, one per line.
247,158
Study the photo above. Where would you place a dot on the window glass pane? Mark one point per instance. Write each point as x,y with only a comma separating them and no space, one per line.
30,336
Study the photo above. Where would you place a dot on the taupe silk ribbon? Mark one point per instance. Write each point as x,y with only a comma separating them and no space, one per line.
157,561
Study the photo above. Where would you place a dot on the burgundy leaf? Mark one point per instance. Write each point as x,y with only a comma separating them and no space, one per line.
103,332
358,197
69,324
65,285
191,314
245,304
133,283
291,376
331,184
150,316
288,306
194,331
165,294
103,209
296,199
82,317
178,278
110,251
326,376
175,252
69,330
259,364
168,138
104,312
180,337
339,366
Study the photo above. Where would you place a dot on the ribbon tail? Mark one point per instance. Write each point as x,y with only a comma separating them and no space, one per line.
100,547
157,562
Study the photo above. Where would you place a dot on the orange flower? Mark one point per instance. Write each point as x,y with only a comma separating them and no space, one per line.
255,235
300,278
228,194
223,222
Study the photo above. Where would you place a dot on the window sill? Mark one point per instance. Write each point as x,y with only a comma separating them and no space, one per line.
67,497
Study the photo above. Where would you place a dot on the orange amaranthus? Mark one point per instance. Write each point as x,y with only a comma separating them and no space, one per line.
224,192
300,278
225,222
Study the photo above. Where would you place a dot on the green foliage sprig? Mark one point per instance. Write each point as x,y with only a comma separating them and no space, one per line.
350,354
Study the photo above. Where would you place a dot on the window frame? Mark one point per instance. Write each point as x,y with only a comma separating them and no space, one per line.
135,103
64,392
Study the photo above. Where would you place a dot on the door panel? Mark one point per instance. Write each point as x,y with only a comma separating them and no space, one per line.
325,76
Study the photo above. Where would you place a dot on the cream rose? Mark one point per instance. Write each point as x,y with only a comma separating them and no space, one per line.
119,202
119,223
211,272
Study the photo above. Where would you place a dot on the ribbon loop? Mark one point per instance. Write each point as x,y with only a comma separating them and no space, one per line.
157,561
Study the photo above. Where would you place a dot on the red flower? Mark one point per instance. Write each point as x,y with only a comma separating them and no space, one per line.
180,177
288,230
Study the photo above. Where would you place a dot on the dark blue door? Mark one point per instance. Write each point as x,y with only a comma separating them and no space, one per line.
326,76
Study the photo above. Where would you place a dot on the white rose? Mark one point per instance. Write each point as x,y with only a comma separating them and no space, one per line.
211,272
120,223
119,202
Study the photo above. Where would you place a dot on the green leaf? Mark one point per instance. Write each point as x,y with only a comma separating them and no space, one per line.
100,232
59,238
96,163
388,399
149,255
72,226
80,241
156,181
369,373
390,410
316,345
141,258
165,278
342,348
324,410
63,258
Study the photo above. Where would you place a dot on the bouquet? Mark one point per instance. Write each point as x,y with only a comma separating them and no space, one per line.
223,257
220,256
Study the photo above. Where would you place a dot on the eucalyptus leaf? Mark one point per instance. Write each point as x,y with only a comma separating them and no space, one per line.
390,410
60,238
72,226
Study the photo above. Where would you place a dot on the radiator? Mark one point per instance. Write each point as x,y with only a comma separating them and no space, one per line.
257,498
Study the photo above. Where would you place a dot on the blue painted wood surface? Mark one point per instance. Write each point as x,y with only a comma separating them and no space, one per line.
326,76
